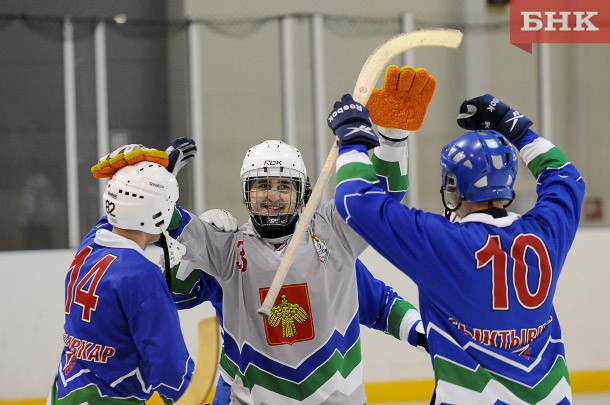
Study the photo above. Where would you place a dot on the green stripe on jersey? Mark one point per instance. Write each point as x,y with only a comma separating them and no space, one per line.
298,391
174,223
540,155
356,170
391,170
187,285
552,159
397,312
91,395
479,379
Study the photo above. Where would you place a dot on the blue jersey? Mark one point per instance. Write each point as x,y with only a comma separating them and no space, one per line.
486,284
122,337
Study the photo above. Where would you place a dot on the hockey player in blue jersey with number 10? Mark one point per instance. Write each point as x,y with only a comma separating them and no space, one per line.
486,276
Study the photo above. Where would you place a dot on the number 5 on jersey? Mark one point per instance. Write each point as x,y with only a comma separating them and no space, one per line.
83,293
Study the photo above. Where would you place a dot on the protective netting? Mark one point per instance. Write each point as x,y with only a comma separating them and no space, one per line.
51,27
148,95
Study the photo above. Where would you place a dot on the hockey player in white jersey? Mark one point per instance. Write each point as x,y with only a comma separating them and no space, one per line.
122,337
308,350
486,276
376,300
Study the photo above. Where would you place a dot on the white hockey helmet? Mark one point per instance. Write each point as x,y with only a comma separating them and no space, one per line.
274,159
141,197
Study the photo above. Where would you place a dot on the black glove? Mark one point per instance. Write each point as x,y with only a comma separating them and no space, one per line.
351,123
487,112
179,152
417,337
422,342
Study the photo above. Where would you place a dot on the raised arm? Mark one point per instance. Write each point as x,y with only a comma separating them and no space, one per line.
560,187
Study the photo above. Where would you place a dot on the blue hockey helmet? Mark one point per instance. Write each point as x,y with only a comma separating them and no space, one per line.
484,166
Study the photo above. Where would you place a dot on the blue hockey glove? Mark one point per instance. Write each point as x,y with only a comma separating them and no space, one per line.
179,153
351,123
487,112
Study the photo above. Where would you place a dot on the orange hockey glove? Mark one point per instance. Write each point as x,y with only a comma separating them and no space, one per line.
403,101
131,154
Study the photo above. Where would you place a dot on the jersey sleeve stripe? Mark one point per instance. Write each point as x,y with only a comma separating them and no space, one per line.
541,154
356,170
352,156
553,159
397,179
537,147
397,316
393,152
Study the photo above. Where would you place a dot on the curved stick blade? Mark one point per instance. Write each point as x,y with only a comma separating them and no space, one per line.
384,53
205,365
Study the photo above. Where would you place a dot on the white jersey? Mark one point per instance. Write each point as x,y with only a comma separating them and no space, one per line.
308,350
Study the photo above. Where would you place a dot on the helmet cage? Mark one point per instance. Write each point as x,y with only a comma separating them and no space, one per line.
452,199
264,212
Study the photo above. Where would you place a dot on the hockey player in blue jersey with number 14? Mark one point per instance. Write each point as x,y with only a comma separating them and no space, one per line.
486,276
122,337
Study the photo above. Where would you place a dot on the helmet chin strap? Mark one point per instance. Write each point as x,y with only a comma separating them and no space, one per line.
449,211
448,214
168,269
272,233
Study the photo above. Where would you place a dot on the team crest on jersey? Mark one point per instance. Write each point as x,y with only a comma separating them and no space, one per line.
321,248
290,320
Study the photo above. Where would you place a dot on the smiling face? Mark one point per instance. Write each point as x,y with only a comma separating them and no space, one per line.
274,184
272,196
